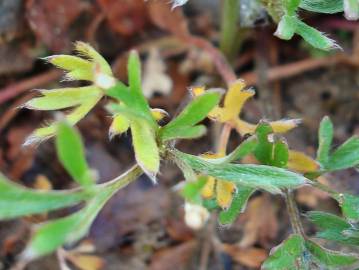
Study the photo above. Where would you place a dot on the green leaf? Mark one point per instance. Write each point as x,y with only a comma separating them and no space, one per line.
71,153
263,151
194,112
87,51
192,189
268,178
210,204
325,136
322,6
72,118
53,234
345,156
350,207
79,69
244,149
146,149
291,6
238,205
314,37
332,228
286,27
280,154
186,132
16,200
62,98
328,258
287,255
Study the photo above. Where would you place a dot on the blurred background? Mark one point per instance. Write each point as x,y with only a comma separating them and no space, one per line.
142,227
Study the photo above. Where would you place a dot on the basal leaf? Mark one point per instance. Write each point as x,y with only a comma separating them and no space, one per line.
53,234
325,137
345,156
62,98
238,205
287,255
322,6
146,149
268,178
16,200
71,153
194,112
350,207
328,258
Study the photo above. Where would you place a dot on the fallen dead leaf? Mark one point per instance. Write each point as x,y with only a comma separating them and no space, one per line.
261,222
163,17
50,20
125,17
173,258
155,80
250,257
311,196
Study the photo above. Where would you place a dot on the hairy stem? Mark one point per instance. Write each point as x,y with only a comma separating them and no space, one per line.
293,213
124,179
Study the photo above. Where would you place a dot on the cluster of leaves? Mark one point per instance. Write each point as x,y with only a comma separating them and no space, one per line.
217,182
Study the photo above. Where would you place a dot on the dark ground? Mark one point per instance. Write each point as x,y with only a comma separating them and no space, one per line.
142,226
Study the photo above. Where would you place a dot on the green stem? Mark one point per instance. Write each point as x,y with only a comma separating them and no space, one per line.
123,180
230,15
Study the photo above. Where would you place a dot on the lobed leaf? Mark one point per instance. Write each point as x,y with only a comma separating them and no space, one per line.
286,27
287,255
70,151
328,258
16,200
186,133
333,228
268,178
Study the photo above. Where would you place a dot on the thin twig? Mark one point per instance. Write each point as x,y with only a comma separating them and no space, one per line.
15,89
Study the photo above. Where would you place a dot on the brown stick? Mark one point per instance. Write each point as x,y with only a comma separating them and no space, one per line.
292,69
15,89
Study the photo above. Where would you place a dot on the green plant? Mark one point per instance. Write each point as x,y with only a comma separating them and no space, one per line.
216,182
